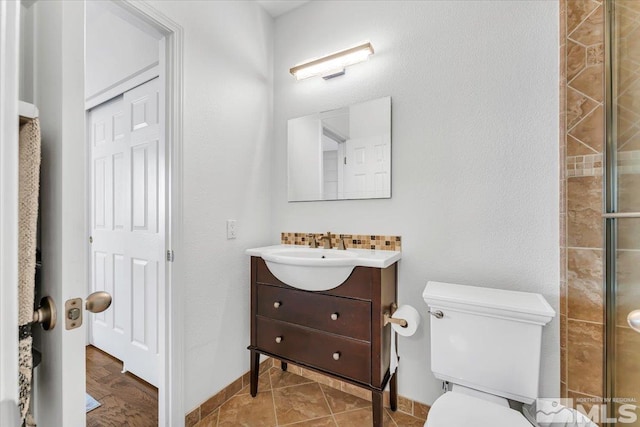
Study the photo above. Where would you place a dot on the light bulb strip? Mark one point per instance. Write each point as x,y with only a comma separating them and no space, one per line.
332,57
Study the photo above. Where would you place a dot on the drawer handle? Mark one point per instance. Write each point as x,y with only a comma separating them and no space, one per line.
278,340
277,304
336,355
334,316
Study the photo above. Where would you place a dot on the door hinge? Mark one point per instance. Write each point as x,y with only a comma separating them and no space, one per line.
345,160
170,255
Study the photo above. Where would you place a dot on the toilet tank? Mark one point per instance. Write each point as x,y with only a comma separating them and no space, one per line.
487,339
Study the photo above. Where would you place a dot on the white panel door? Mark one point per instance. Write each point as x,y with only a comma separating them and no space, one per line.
367,167
128,227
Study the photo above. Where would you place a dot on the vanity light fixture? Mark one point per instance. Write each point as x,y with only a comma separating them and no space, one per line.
333,65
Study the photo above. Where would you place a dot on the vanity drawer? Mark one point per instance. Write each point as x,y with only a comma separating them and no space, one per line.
315,348
342,316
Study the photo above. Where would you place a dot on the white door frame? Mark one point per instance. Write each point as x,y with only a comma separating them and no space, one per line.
9,44
171,390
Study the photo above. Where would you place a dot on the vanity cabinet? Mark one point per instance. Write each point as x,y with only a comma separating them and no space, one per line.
339,332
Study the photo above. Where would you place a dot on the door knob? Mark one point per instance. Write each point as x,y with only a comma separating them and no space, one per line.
633,319
46,314
98,302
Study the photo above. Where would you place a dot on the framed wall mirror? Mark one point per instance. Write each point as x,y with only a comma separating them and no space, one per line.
341,154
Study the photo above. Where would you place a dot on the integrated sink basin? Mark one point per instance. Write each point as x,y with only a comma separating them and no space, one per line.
319,269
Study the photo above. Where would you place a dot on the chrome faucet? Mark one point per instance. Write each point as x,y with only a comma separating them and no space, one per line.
326,240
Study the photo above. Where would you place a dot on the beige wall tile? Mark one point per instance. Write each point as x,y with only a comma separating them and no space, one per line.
563,365
590,131
578,106
585,281
192,418
212,404
577,11
563,331
591,30
233,388
576,60
583,402
585,357
584,212
595,54
577,148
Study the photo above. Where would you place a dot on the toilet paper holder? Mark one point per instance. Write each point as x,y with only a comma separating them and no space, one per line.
388,319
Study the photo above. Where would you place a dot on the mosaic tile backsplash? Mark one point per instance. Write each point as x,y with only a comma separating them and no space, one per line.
356,241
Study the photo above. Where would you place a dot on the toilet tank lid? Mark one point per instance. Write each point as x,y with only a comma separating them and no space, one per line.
526,306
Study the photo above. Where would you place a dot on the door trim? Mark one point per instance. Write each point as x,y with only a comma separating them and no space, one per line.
9,42
170,397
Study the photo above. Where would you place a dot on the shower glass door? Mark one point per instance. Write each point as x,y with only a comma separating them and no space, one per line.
623,205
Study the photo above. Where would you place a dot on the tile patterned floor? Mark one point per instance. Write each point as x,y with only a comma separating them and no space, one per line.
286,399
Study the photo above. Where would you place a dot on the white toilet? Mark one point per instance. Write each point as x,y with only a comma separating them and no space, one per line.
486,343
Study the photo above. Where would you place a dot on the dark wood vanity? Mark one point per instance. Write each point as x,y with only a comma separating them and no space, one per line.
339,332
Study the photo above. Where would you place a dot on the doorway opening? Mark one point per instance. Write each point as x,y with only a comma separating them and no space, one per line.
133,133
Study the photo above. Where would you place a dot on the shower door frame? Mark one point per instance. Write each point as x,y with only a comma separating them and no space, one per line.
610,208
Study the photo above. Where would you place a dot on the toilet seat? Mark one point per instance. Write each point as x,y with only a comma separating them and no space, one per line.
461,410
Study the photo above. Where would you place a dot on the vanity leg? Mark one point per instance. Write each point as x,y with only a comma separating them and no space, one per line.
393,395
283,366
255,370
378,409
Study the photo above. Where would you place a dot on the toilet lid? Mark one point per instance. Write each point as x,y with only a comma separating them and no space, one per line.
460,410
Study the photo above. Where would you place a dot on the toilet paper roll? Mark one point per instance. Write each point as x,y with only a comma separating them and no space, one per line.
412,317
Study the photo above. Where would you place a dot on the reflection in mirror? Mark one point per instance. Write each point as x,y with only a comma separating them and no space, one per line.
341,154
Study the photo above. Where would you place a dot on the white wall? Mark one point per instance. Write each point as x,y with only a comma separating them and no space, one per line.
305,158
228,65
474,89
119,46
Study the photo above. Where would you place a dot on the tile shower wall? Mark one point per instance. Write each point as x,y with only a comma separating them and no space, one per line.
581,235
